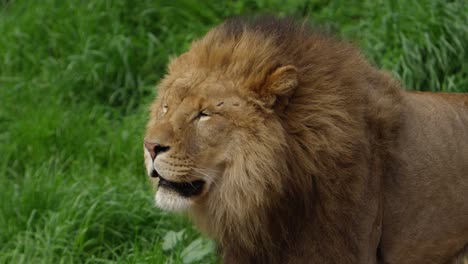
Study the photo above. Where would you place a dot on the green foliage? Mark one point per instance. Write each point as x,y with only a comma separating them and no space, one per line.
424,43
75,81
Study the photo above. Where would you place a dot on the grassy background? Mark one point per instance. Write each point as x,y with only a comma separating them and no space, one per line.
75,81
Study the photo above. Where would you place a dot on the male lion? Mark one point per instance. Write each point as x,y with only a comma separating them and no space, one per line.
286,146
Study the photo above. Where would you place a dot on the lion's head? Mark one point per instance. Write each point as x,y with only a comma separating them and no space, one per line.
216,139
214,131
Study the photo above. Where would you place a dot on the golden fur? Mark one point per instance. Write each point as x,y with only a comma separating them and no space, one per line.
309,153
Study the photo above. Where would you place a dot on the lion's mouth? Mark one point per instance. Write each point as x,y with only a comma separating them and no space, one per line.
186,189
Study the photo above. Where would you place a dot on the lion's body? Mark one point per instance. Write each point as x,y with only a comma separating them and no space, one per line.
426,204
313,155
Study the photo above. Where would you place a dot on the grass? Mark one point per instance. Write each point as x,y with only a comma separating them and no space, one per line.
75,81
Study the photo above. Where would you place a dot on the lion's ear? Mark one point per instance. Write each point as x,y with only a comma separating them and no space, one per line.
280,85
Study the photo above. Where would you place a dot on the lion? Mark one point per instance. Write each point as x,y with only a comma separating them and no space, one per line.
285,145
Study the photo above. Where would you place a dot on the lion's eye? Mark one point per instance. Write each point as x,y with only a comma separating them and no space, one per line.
164,109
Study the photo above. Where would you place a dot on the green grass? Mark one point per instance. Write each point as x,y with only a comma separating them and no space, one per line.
76,78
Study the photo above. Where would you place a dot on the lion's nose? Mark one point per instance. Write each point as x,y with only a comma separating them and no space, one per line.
155,149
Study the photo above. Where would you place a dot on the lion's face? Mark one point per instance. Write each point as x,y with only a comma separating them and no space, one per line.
191,136
215,135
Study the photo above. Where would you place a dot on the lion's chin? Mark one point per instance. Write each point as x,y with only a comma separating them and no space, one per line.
170,200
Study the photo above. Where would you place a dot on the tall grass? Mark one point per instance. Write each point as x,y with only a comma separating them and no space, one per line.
75,81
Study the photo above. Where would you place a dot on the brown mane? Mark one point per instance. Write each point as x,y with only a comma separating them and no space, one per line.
327,143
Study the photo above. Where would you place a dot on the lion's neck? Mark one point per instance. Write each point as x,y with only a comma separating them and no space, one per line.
261,236
249,231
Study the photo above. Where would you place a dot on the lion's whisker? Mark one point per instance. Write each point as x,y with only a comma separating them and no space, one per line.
207,176
206,168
